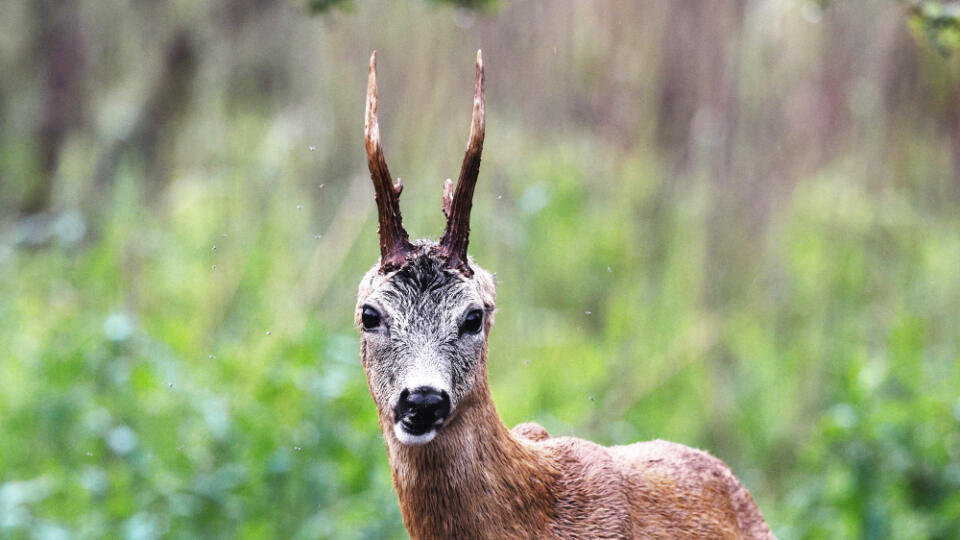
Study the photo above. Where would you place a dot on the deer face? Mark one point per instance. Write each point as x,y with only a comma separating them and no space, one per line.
424,335
425,310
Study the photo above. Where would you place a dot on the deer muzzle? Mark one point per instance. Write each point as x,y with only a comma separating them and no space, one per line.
419,413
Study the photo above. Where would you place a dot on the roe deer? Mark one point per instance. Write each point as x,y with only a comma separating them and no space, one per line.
425,313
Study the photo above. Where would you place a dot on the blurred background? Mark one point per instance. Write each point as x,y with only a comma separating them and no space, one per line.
732,224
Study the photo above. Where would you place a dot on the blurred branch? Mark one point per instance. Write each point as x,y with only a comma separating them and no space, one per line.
318,7
61,48
159,113
476,5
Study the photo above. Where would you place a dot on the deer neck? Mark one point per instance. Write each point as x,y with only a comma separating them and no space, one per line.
474,480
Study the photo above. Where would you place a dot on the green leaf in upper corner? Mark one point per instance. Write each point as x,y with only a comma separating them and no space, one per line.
939,23
318,7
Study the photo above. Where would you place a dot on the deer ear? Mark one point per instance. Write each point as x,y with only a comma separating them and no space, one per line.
486,286
371,280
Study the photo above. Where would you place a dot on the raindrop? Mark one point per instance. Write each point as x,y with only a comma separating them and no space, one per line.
268,332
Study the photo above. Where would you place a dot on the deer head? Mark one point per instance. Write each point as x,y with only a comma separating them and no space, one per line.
425,309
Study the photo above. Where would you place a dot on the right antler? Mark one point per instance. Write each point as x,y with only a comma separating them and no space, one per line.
395,245
453,243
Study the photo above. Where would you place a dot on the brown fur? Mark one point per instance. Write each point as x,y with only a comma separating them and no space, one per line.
476,479
479,480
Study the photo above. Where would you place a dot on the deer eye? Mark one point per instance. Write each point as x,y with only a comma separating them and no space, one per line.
370,318
472,323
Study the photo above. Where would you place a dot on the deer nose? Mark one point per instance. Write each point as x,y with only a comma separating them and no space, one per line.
421,409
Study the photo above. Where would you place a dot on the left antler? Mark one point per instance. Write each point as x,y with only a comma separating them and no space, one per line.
395,245
453,243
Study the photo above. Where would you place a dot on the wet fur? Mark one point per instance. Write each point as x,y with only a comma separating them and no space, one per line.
476,479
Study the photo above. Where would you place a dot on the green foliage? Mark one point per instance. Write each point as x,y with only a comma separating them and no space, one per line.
939,22
180,358
317,7
149,394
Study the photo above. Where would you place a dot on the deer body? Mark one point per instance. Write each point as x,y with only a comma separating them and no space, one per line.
508,486
426,311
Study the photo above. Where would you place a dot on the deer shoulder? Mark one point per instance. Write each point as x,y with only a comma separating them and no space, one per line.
656,489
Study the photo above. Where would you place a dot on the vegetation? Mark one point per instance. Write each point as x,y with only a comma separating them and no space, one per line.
728,224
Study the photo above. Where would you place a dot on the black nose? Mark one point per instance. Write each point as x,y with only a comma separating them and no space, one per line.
422,408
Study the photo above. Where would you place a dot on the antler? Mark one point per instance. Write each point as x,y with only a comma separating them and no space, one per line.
395,245
453,243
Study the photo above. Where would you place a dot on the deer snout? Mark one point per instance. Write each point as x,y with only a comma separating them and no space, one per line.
419,412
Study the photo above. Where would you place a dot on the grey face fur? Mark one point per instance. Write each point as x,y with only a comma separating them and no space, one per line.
420,341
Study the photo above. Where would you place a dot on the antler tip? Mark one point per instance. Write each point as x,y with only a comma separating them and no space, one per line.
372,75
370,128
478,92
